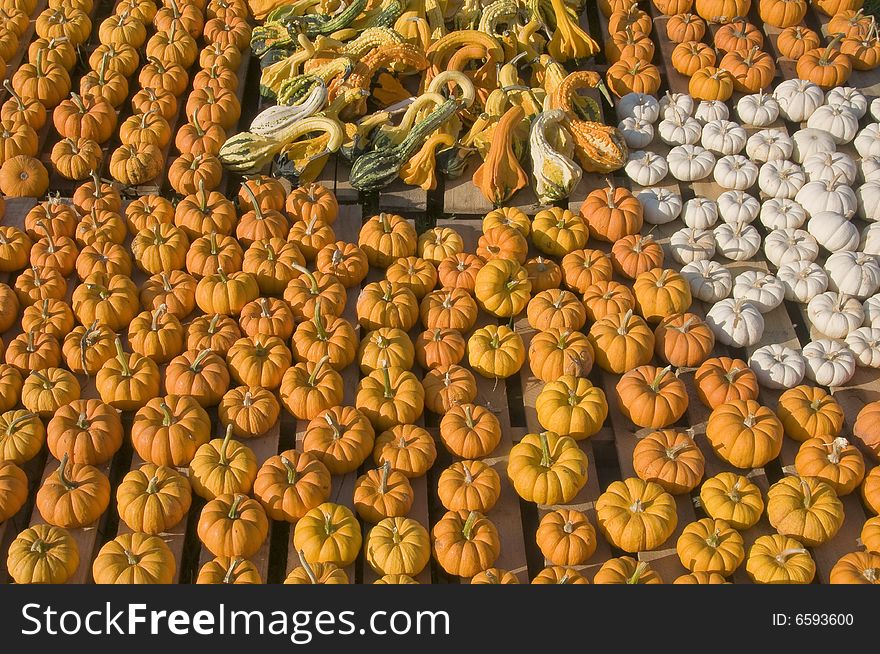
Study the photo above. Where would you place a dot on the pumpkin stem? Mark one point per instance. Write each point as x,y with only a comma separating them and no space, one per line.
82,421
808,494
39,546
248,399
838,445
122,358
546,459
637,506
167,416
622,329
196,365
468,528
714,539
15,422
229,577
672,452
153,486
313,378
292,474
132,558
68,483
825,59
258,212
233,510
305,272
45,382
157,314
212,326
21,105
638,572
305,564
655,384
468,475
318,319
386,380
782,557
334,424
222,274
224,446
386,471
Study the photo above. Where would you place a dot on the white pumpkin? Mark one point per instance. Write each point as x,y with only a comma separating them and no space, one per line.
803,280
849,97
700,213
659,205
736,323
689,163
871,307
781,178
723,137
810,141
865,345
769,144
736,172
689,244
758,109
778,366
827,166
833,232
867,141
760,288
678,131
829,362
853,273
789,244
682,103
738,242
874,108
646,168
798,99
870,241
779,213
827,195
639,106
709,280
839,121
868,198
835,315
738,207
709,110
637,133
870,168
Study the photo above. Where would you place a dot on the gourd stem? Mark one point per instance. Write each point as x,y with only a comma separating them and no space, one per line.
468,475
16,96
224,446
39,546
714,539
655,384
248,399
264,308
313,378
132,558
222,274
808,494
305,272
233,510
291,470
468,416
672,452
784,554
212,326
153,486
318,319
166,283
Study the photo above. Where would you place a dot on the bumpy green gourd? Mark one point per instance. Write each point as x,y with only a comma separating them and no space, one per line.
377,169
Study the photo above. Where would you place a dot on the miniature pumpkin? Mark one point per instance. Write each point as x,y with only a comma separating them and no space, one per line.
222,466
709,545
547,468
127,381
621,342
307,388
167,431
652,397
826,67
566,537
329,533
502,288
382,493
233,525
470,431
74,495
635,515
42,554
469,486
733,498
558,352
291,484
671,459
804,508
153,499
571,406
465,544
495,351
744,433
722,379
341,437
626,570
808,412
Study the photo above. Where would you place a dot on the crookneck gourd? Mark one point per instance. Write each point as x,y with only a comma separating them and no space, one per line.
500,175
552,147
599,148
378,168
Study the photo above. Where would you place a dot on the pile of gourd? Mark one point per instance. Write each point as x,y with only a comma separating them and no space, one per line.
494,87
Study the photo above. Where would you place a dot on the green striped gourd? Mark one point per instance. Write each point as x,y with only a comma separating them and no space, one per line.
552,147
281,118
